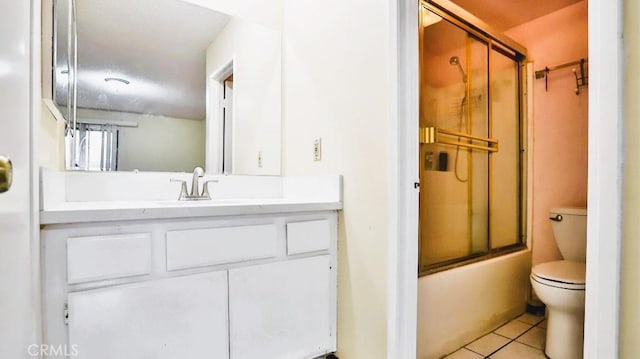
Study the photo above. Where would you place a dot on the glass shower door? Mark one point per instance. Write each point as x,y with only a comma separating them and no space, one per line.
466,208
453,195
505,226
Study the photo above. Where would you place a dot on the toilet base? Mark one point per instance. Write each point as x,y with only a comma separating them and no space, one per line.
565,334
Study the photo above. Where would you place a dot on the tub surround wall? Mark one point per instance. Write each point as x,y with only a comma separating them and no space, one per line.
559,120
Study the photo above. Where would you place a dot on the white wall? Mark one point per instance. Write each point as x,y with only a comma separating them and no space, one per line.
159,143
267,13
257,83
50,150
336,73
50,145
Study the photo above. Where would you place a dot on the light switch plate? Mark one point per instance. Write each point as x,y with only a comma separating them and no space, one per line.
317,149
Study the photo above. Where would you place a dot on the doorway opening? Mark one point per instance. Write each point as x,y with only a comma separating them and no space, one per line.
471,142
220,124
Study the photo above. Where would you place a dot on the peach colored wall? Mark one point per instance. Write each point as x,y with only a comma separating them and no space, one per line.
560,120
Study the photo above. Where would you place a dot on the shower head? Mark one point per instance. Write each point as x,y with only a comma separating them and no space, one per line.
455,61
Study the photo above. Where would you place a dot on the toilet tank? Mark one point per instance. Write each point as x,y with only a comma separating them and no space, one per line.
570,231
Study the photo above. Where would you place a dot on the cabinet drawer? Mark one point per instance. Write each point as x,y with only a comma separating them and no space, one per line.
210,246
106,257
308,236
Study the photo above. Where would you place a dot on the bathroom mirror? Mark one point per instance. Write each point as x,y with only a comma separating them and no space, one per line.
167,85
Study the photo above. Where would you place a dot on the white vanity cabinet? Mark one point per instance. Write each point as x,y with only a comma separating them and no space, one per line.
281,308
180,317
253,286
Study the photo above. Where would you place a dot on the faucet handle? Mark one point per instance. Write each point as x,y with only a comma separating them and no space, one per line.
183,190
205,188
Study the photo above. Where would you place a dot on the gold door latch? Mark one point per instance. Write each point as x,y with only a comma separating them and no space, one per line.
6,174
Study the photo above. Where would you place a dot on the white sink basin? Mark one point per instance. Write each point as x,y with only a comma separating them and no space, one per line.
206,202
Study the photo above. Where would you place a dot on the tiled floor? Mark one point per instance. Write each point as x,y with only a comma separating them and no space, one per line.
521,338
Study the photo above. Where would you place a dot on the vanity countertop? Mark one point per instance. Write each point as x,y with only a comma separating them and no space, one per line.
83,197
104,211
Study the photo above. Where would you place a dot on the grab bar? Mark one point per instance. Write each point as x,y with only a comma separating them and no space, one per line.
432,135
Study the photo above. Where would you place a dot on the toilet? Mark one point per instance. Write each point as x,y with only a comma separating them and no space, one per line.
560,285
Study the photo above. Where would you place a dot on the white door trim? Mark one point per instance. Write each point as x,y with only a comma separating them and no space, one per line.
34,175
402,310
214,128
604,216
604,185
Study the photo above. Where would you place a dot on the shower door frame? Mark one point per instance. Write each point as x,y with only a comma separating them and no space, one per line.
495,42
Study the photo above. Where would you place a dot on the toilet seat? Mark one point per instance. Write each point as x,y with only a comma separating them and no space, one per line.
560,274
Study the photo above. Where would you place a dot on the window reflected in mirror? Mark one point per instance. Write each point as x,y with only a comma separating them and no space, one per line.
144,74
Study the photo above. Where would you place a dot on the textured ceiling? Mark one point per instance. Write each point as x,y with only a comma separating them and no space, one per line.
157,45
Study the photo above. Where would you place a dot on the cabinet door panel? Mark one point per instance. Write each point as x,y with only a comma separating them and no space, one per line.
281,310
184,317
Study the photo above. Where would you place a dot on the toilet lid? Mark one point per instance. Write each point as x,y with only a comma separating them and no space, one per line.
568,272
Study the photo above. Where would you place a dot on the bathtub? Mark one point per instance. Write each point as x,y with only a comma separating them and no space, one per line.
461,304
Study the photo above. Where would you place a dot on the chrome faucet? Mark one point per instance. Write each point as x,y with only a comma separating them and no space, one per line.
185,195
198,172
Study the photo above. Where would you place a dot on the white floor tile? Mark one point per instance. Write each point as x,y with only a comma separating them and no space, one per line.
530,318
543,324
517,350
464,354
487,344
513,329
535,337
